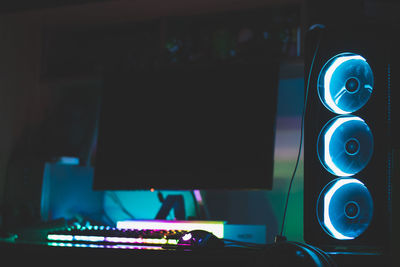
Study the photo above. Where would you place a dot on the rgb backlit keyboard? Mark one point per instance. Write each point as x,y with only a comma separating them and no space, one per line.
102,235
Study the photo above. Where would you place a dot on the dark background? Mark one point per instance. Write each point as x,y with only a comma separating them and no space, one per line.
34,89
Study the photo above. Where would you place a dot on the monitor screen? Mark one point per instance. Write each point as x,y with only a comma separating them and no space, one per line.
188,127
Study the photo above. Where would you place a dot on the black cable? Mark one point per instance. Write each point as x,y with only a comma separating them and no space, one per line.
322,254
301,137
118,201
160,197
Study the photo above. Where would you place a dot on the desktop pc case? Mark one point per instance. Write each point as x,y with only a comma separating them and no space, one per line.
350,135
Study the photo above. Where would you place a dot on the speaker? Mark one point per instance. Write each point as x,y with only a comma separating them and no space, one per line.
348,135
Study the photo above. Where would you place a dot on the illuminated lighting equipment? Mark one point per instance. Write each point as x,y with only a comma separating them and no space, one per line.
345,145
112,239
119,246
68,161
56,237
197,196
345,208
215,227
94,234
349,136
88,238
345,83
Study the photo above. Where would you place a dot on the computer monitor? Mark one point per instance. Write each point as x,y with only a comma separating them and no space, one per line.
188,127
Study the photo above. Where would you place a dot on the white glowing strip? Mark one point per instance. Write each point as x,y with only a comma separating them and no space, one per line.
215,227
54,237
60,237
88,238
137,240
115,239
327,80
327,200
135,247
62,244
327,141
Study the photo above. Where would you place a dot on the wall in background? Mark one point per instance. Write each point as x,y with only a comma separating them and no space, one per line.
26,100
20,48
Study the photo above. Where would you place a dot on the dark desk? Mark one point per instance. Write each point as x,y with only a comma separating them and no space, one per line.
41,254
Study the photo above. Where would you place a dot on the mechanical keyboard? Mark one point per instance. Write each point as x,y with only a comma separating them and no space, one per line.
105,235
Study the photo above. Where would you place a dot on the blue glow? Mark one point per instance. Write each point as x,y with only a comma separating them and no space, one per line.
68,161
345,145
331,208
345,83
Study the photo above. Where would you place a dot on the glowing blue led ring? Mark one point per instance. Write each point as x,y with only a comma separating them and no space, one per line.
345,83
345,145
327,201
332,204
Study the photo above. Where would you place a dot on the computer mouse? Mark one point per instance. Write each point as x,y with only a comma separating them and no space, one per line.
200,239
290,253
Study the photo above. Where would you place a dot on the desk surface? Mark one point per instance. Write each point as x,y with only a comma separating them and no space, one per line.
42,254
94,256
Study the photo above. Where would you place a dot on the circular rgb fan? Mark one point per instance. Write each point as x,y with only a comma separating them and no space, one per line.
345,145
345,83
345,208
